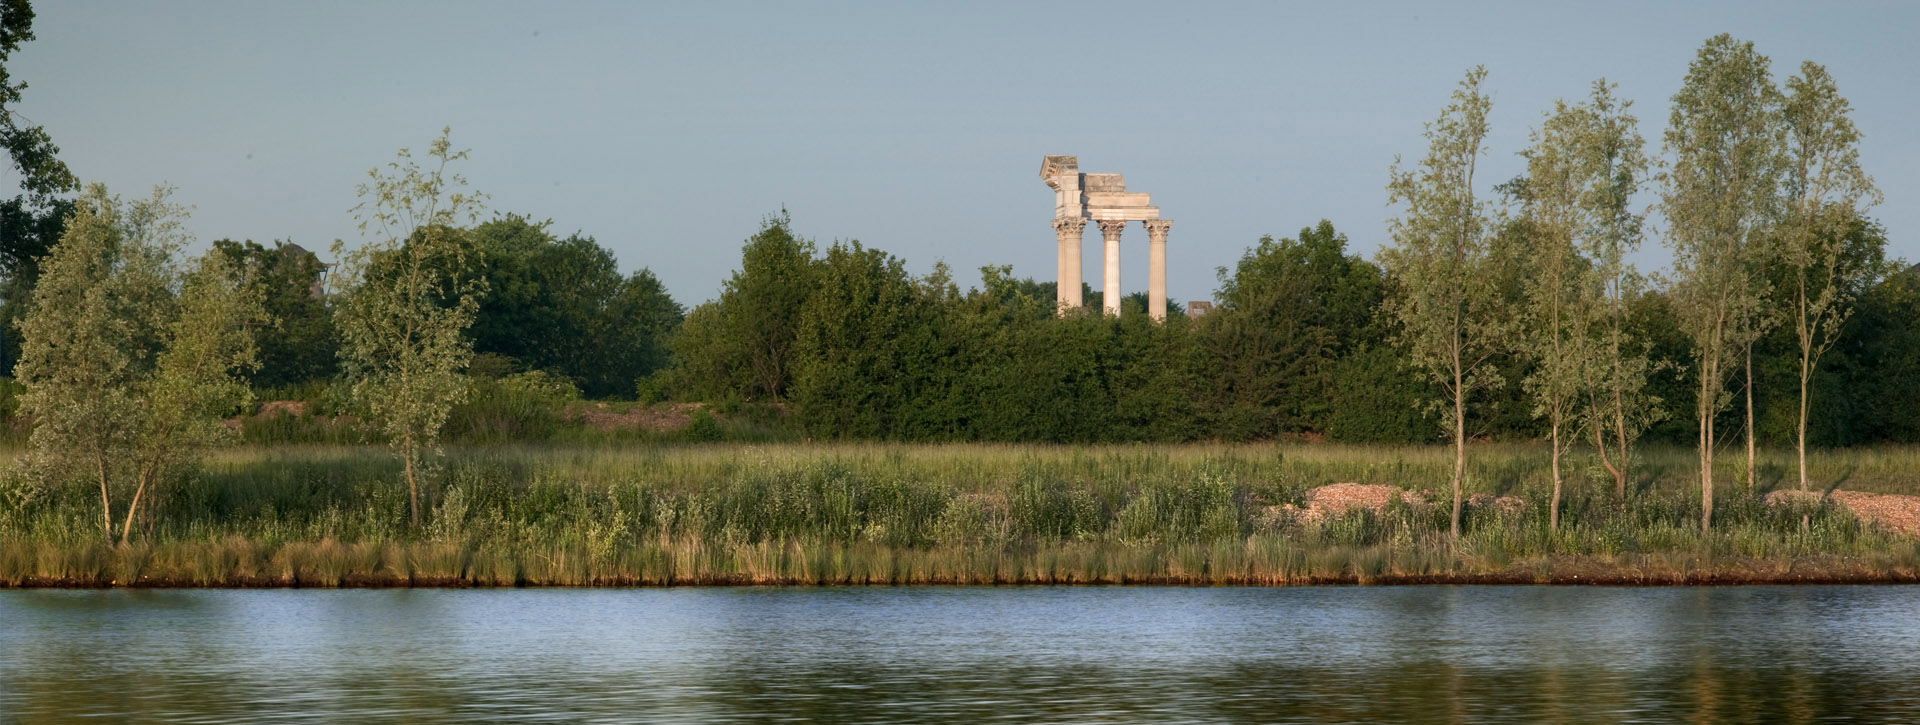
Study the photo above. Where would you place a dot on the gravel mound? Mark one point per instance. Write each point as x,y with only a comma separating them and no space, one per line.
1335,499
1897,513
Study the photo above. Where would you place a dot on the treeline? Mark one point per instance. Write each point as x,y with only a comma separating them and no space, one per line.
548,304
847,343
851,345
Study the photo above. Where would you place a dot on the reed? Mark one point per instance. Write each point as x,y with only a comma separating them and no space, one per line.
673,513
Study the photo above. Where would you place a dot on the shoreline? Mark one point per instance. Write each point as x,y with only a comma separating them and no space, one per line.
1512,578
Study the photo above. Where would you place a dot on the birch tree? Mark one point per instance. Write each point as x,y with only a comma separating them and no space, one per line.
406,299
1825,190
1587,162
1447,311
196,380
1557,285
1720,200
127,380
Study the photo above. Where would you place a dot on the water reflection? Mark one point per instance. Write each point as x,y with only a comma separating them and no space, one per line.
1454,653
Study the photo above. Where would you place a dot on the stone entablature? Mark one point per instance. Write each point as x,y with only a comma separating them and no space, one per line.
1104,199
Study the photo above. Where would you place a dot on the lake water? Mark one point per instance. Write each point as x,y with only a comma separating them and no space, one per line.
857,654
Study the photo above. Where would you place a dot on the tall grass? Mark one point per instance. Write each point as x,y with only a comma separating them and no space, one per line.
782,513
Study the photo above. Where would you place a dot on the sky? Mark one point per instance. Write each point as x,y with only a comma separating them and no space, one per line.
668,132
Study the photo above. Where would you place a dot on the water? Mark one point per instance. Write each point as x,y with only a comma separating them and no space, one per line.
952,654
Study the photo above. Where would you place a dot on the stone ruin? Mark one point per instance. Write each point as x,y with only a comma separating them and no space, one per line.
1103,199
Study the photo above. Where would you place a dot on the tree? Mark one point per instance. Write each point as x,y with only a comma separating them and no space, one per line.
299,346
1582,170
1554,317
1720,202
1612,166
34,157
196,381
1287,311
1442,263
30,223
1883,346
406,299
126,380
561,305
1825,188
851,371
741,345
28,232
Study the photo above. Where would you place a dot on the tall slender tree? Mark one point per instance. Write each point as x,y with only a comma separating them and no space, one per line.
1612,167
1448,309
1825,191
406,299
1720,202
1556,284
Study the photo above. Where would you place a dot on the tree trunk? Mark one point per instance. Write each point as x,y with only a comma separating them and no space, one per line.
1801,446
413,488
1705,410
106,501
1553,509
1459,446
1750,455
1620,439
1606,461
133,506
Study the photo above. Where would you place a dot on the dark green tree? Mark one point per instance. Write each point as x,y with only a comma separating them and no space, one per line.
740,346
299,345
29,148
31,222
853,353
1287,311
1879,367
562,306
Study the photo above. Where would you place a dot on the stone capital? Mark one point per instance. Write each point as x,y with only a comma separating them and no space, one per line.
1110,229
1069,225
1157,229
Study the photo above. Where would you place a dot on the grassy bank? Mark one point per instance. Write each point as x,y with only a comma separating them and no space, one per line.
892,514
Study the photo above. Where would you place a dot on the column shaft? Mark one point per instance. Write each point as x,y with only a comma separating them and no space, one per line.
1157,267
1110,289
1067,277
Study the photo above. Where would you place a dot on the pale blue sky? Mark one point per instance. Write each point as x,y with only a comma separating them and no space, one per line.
668,131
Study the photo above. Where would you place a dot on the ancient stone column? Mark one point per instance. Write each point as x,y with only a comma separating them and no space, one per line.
1110,289
1157,267
1067,280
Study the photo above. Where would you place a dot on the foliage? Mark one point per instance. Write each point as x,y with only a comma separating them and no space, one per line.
299,346
1826,189
28,232
406,299
854,353
1582,169
1442,261
1378,398
30,223
1287,313
1720,201
129,363
28,146
528,406
741,345
562,306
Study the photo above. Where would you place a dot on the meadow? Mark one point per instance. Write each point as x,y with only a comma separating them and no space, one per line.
674,513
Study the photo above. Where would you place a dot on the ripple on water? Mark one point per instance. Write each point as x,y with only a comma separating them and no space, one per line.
855,654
